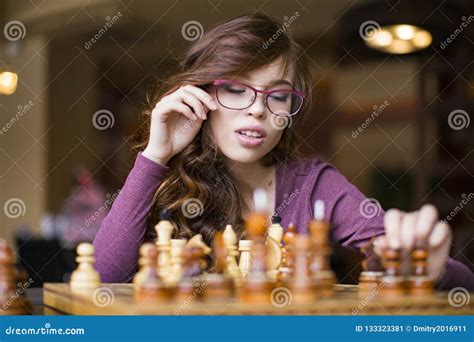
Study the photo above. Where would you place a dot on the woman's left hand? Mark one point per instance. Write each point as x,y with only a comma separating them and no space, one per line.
421,228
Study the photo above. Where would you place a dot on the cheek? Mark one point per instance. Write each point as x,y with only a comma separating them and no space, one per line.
218,123
273,137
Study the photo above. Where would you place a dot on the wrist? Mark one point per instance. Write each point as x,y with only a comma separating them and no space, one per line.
153,157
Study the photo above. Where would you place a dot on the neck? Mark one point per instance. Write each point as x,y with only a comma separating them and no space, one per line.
251,176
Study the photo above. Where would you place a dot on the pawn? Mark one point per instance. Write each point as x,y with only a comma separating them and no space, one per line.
164,230
230,240
219,283
301,284
392,278
143,264
286,268
176,261
371,275
245,257
85,278
192,269
419,283
147,282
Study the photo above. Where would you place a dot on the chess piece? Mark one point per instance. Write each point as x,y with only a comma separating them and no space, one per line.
12,298
148,286
230,240
274,252
176,260
301,285
196,241
85,278
419,283
286,268
372,270
190,286
164,230
245,257
392,280
322,274
257,286
219,283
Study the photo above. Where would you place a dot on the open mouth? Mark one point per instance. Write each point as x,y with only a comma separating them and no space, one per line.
250,137
251,134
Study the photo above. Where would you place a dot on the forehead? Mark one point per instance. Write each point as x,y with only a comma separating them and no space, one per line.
269,73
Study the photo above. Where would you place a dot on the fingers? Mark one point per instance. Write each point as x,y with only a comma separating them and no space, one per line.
427,218
203,96
189,99
197,101
408,230
380,244
440,235
392,221
180,108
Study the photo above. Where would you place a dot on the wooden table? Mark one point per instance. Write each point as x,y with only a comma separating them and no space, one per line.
118,299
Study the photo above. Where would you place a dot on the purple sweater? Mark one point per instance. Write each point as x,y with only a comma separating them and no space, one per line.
298,184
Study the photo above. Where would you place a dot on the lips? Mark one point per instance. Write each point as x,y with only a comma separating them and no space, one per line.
251,136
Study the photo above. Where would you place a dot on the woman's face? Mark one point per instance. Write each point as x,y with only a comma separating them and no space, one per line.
247,135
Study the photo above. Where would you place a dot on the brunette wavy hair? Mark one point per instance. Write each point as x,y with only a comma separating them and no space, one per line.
198,175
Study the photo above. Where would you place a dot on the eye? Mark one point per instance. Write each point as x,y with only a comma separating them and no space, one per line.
233,88
281,97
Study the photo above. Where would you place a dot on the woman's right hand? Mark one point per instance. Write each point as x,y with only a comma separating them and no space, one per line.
175,121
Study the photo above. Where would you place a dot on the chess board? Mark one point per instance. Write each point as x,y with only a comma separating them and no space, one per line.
118,299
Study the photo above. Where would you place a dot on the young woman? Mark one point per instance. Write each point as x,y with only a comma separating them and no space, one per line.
224,126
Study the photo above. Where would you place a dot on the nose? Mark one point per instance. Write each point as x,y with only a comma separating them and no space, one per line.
258,107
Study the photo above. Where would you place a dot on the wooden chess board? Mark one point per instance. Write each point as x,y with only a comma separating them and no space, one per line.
118,299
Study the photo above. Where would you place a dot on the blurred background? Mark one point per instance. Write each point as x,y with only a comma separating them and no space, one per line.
394,89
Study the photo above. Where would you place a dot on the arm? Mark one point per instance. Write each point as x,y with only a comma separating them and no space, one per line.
122,231
355,220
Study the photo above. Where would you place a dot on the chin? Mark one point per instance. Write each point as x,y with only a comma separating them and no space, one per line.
246,157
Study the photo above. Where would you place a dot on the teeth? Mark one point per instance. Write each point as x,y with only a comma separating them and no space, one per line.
251,134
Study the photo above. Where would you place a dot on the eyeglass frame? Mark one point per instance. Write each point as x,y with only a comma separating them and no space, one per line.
256,92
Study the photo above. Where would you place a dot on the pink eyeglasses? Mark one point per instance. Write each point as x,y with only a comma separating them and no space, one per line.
237,96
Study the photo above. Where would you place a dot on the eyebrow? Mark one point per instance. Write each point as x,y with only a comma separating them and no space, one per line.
279,82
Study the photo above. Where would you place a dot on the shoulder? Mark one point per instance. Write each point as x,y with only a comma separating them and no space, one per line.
311,167
314,174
